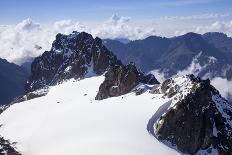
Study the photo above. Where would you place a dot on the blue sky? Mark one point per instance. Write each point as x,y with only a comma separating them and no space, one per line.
47,11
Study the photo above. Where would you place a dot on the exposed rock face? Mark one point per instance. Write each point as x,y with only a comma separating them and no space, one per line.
72,56
31,95
118,80
122,79
7,148
148,79
197,119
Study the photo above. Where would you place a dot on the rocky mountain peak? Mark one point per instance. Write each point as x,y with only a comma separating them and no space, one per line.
196,118
72,56
79,55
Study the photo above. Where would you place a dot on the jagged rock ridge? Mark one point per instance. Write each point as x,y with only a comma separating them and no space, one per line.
71,56
196,119
6,148
79,55
120,80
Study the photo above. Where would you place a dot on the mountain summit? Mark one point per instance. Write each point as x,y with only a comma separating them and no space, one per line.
72,56
79,55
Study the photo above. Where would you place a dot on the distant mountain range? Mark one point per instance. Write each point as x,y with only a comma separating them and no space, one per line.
12,81
171,55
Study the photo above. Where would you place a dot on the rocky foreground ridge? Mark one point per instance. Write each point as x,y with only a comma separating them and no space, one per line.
7,148
196,119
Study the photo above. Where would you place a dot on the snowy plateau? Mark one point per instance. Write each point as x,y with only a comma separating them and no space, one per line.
68,120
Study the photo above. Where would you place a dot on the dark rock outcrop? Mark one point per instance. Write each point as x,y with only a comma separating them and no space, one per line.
122,79
148,79
118,80
6,148
72,56
198,118
31,95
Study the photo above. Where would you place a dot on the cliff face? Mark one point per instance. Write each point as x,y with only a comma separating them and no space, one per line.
198,118
122,79
72,56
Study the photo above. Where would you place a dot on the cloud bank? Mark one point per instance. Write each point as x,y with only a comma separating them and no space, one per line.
30,39
196,17
224,86
119,27
18,42
217,26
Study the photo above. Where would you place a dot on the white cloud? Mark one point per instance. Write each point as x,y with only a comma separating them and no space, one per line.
196,17
27,25
160,76
195,67
114,19
218,26
215,26
67,26
223,85
18,41
119,27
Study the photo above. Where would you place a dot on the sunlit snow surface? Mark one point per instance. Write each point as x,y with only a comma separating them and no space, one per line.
69,121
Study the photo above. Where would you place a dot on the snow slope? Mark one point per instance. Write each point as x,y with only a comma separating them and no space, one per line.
69,121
